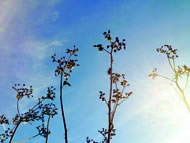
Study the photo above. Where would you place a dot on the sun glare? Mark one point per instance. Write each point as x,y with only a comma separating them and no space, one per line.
168,108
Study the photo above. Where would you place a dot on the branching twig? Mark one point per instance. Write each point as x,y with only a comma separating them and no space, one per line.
115,95
64,68
181,71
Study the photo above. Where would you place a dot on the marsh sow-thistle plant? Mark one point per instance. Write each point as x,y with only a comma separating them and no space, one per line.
118,84
40,113
64,69
179,72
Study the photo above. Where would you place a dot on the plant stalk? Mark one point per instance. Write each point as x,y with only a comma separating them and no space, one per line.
62,110
183,95
110,125
12,136
48,127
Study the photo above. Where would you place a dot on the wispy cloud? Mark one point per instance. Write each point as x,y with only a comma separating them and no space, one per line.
47,3
23,57
49,14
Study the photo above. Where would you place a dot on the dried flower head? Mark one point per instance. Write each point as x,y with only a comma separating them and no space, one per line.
66,64
114,46
22,91
168,50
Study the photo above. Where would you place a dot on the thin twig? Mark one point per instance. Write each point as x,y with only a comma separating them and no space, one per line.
165,77
106,51
182,92
48,126
114,110
18,108
106,102
27,139
37,104
176,91
174,64
122,101
15,130
187,79
170,64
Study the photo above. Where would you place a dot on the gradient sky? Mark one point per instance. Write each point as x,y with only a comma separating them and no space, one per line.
33,30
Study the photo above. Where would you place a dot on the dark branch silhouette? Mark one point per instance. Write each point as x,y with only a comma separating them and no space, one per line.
64,69
37,113
118,84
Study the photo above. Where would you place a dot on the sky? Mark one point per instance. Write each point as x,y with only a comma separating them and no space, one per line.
31,31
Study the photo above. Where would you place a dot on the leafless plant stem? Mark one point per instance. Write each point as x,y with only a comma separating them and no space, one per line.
183,94
18,108
62,110
12,136
176,82
110,125
48,126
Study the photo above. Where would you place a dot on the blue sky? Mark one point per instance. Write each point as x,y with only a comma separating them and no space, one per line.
33,30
